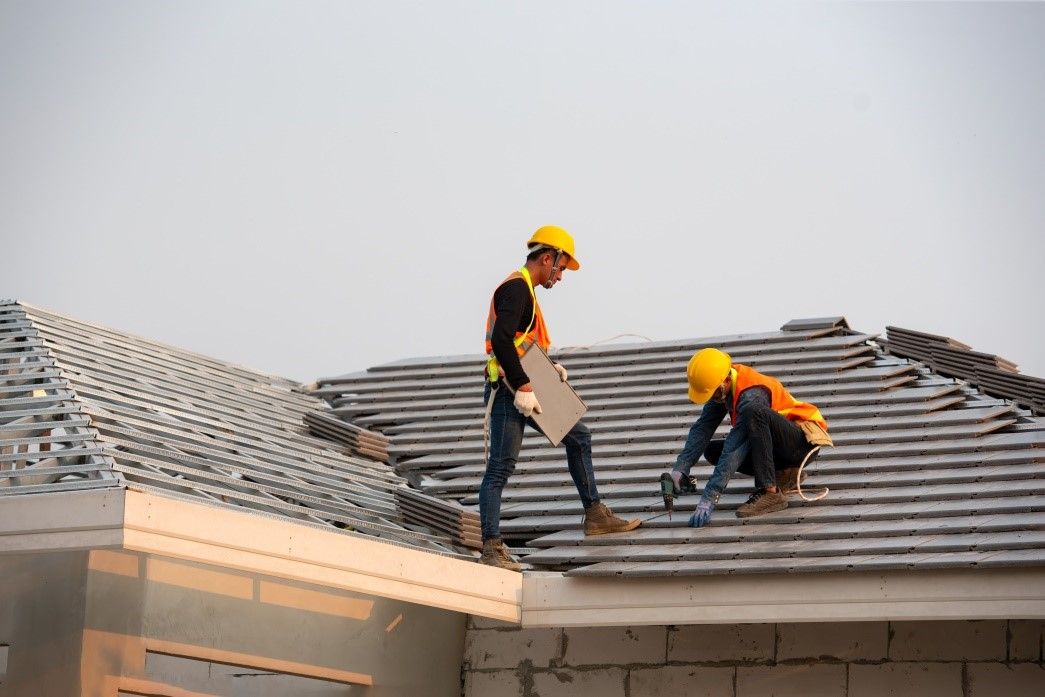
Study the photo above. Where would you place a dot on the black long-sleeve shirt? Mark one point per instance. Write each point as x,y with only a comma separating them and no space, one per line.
514,308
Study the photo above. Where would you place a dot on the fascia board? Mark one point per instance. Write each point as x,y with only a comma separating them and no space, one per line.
63,521
554,600
172,527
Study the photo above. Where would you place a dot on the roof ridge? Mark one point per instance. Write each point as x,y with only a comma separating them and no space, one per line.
277,380
803,323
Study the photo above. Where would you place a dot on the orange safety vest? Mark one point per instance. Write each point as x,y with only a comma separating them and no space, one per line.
536,332
780,400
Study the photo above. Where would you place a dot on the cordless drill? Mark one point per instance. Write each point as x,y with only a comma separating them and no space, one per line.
667,490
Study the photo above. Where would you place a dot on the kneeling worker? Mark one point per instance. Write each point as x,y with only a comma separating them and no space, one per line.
771,434
513,324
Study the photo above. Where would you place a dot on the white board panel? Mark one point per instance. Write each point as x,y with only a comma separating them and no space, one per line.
561,407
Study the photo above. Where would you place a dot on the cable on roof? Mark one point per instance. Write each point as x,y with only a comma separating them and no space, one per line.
798,481
571,349
486,422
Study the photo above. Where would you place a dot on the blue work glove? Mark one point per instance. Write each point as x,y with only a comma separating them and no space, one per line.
701,516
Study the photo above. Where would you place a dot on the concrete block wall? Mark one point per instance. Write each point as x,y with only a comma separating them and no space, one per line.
848,659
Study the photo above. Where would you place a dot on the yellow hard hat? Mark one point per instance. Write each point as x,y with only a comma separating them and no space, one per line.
554,236
706,371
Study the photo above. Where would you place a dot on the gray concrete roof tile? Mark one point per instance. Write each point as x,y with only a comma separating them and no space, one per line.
927,471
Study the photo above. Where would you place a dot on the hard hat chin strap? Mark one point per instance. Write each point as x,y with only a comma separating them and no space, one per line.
555,259
555,265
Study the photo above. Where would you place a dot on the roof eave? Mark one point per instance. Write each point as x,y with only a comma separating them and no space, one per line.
171,527
118,518
555,600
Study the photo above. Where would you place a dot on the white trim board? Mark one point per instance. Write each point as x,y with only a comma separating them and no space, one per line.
198,532
143,522
555,600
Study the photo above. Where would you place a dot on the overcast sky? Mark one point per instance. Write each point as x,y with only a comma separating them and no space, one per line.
313,188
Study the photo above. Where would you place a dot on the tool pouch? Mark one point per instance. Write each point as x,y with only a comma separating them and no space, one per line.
815,433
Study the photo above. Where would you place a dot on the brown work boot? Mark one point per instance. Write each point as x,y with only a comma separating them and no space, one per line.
787,480
495,553
762,502
599,520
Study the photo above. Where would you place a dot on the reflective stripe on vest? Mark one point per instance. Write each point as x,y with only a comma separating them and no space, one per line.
780,400
536,330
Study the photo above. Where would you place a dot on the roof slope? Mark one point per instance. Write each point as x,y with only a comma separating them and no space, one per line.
84,407
927,471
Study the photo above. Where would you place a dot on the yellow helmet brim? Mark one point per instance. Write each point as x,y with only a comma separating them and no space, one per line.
700,396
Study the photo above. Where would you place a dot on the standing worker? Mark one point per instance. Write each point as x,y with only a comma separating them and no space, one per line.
513,324
772,434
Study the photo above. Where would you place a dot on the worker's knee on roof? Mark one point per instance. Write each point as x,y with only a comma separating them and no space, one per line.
753,410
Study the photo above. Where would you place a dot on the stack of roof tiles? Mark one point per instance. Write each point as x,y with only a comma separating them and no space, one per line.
927,470
992,374
84,407
446,516
354,440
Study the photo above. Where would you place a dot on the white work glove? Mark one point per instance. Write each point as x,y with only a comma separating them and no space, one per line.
527,404
561,371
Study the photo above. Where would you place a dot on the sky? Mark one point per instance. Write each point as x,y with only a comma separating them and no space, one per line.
309,189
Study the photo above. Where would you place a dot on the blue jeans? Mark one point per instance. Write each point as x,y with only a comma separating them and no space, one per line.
506,432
